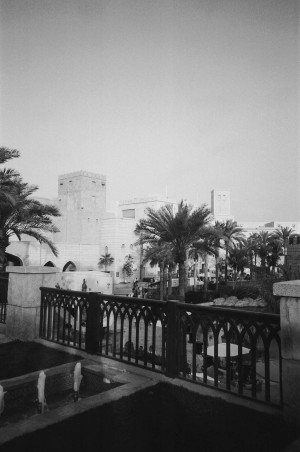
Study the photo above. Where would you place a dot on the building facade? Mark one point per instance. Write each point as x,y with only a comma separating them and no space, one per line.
88,231
220,204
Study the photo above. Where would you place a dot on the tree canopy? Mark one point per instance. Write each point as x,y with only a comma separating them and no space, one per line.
180,229
20,213
106,260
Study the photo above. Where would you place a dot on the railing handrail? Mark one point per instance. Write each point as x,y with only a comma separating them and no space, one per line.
142,301
232,312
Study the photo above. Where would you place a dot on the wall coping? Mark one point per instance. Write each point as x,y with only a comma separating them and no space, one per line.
287,289
32,270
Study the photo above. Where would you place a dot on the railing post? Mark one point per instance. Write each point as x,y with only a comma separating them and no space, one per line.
92,337
173,336
289,293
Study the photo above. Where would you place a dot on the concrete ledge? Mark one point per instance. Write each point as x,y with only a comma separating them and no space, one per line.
130,385
291,378
34,270
287,289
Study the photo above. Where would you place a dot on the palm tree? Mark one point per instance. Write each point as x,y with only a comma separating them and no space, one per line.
231,234
8,154
283,234
26,216
217,243
180,230
252,246
20,213
204,247
194,254
7,176
127,269
161,254
106,260
275,252
238,259
263,239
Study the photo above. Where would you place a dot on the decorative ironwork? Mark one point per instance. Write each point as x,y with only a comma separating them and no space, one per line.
133,330
234,350
229,349
3,296
63,317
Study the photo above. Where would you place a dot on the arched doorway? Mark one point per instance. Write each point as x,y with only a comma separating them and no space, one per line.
69,267
13,260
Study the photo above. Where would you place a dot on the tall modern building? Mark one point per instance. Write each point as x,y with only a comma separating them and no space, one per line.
220,204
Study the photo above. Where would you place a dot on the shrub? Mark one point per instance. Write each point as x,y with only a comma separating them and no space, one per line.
246,292
197,297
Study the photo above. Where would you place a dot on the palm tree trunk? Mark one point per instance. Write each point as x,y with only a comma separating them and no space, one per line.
226,263
161,280
234,278
182,281
170,282
3,245
165,278
217,272
141,263
195,275
186,277
205,274
251,265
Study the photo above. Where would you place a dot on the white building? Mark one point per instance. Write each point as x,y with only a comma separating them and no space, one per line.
87,230
220,204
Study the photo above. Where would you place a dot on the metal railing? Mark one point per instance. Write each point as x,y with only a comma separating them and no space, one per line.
229,349
3,296
233,349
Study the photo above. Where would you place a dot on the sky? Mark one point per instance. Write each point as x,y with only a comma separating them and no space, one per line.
173,97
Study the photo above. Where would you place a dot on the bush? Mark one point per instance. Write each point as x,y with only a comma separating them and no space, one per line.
196,297
246,292
266,292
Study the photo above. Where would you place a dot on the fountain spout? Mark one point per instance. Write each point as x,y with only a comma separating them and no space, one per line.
77,380
41,392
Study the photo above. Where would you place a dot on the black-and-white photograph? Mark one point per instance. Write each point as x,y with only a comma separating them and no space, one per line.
150,225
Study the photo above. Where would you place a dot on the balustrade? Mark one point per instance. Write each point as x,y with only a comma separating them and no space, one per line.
230,349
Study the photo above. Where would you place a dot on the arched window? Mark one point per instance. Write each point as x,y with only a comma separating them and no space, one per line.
49,264
13,260
106,250
69,267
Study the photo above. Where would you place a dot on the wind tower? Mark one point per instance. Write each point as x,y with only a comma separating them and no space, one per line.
220,204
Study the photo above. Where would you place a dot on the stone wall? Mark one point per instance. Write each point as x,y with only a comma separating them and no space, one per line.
293,257
24,300
289,292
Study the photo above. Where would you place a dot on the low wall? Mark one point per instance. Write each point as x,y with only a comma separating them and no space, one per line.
289,293
24,300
